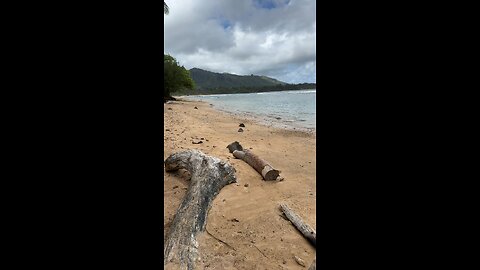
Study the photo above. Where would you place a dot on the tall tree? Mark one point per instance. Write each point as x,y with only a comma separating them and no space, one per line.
176,77
165,8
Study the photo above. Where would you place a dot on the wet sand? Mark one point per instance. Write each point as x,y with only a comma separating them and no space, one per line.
262,239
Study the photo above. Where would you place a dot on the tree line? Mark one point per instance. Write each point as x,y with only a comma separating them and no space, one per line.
251,89
175,77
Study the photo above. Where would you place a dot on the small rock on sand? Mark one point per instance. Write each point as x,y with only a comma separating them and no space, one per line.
240,130
241,125
246,185
169,108
196,108
196,142
299,261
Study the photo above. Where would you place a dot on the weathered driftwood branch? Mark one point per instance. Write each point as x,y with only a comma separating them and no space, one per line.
260,165
208,176
303,227
313,266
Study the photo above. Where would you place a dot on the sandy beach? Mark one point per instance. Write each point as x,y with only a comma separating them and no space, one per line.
262,239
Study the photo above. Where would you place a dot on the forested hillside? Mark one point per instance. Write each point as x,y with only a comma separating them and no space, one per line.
207,82
205,79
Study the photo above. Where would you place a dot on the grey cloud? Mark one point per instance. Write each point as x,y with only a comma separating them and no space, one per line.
207,35
277,42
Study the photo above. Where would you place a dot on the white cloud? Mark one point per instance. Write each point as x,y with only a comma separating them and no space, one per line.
242,38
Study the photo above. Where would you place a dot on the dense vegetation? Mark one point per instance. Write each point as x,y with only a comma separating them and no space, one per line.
232,90
176,77
207,82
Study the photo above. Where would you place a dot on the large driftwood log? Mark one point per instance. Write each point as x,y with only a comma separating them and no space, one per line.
208,176
260,165
303,227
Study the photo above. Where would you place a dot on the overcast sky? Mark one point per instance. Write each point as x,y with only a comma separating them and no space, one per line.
275,38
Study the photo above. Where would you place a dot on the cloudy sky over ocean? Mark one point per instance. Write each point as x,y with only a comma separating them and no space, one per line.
275,38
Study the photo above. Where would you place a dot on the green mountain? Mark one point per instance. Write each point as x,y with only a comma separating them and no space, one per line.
208,80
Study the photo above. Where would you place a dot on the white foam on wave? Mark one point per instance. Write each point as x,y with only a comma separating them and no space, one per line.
302,91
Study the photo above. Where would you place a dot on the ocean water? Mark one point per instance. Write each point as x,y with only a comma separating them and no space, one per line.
290,109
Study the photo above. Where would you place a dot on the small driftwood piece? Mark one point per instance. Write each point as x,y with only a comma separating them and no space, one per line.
208,176
260,165
303,227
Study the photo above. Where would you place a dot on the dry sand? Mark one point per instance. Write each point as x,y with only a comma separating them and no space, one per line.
262,238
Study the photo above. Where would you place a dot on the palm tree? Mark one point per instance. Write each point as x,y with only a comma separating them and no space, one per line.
165,8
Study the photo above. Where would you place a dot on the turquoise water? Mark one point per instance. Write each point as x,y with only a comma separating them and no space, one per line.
288,108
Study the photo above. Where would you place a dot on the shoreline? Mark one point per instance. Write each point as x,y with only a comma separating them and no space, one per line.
268,121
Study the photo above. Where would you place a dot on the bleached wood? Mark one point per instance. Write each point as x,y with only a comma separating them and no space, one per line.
208,176
303,227
313,266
